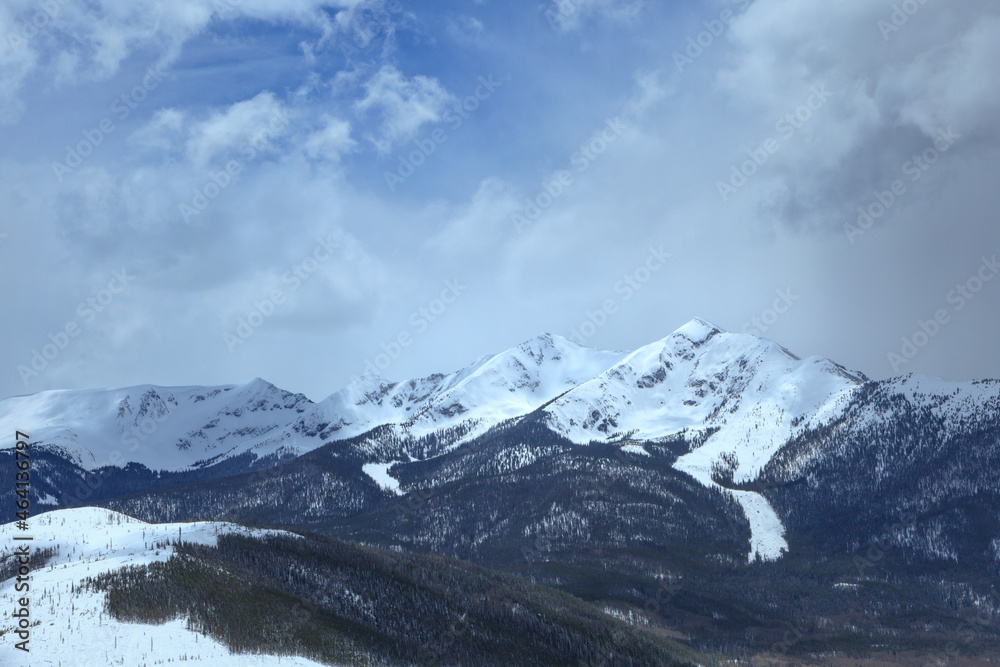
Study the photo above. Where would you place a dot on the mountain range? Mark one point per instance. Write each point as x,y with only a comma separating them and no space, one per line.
762,491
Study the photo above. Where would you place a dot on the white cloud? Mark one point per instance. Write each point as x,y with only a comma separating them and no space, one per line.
482,223
16,61
405,104
243,130
566,15
957,86
70,42
784,45
330,142
161,131
650,90
466,29
255,122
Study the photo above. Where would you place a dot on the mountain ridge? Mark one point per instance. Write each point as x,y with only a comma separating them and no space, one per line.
735,399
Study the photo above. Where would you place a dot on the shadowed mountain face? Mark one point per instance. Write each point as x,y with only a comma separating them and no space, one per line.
912,464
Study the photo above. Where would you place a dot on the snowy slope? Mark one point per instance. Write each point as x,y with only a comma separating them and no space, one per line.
954,407
163,428
494,388
741,396
180,428
956,404
701,378
73,629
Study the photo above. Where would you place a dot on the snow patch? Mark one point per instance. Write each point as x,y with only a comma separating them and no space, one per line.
767,533
47,499
379,472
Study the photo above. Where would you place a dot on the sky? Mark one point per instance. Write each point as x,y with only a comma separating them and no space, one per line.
200,192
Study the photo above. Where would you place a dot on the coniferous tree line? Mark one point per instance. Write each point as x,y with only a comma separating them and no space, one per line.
341,603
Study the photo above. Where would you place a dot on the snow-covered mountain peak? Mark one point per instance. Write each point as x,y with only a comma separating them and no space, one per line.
365,388
258,387
733,397
958,405
545,338
547,342
551,354
727,401
261,395
698,330
491,389
696,378
712,345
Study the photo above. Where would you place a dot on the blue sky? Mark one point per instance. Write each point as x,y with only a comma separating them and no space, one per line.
256,130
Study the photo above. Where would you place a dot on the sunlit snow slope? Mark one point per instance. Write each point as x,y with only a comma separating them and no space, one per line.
494,388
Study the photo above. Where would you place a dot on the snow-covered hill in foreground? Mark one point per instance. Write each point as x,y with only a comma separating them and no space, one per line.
71,628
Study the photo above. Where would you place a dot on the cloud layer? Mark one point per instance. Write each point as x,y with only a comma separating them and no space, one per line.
313,174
